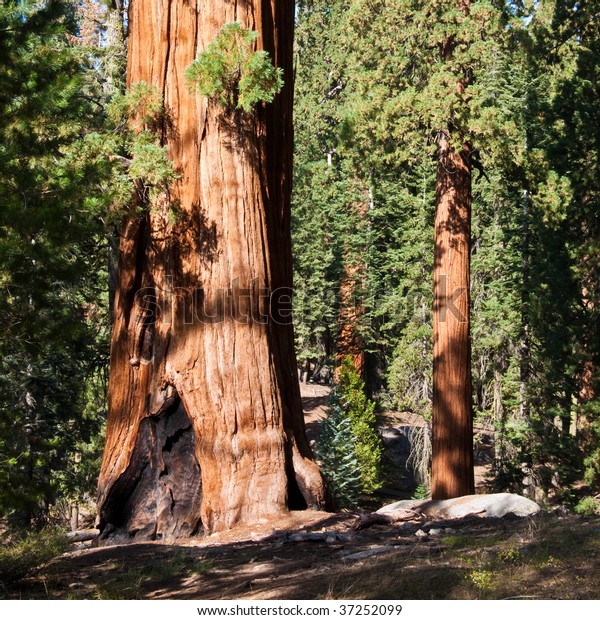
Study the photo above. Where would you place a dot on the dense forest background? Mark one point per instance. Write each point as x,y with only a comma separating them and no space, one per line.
370,90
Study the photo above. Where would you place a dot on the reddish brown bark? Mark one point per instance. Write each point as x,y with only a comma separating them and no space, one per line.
349,342
587,375
452,449
202,358
452,422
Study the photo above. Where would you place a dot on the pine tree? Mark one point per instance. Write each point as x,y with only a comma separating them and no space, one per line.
527,113
414,84
560,307
328,198
53,325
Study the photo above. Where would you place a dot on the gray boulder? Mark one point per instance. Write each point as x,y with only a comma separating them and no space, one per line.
494,505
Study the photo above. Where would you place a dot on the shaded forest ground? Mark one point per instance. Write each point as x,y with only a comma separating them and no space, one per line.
311,555
546,557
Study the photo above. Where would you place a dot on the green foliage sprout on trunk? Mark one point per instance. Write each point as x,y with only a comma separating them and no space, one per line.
137,119
229,72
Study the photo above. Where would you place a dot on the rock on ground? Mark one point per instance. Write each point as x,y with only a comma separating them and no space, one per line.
494,505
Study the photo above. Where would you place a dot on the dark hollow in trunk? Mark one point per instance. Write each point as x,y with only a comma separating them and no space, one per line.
159,494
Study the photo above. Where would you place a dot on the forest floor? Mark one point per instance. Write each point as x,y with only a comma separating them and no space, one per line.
545,557
317,556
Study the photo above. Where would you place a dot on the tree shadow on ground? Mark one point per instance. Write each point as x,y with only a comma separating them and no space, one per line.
473,558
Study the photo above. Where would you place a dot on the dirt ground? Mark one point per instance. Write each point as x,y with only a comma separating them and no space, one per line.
314,403
319,556
315,555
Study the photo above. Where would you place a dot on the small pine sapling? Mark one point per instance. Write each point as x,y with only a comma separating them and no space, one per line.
337,456
361,412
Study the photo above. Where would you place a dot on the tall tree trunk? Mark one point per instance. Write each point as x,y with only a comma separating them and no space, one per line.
205,425
525,344
452,458
452,422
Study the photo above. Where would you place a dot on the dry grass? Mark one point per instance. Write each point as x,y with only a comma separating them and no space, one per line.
541,558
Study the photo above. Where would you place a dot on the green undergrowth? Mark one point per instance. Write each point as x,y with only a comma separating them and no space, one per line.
24,555
588,506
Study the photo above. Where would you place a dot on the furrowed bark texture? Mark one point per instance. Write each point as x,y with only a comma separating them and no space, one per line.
202,327
452,449
349,342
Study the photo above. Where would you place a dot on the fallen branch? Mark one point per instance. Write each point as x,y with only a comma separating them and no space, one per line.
361,555
82,535
385,518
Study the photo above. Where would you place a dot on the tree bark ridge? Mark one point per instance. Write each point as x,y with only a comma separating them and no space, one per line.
215,256
452,449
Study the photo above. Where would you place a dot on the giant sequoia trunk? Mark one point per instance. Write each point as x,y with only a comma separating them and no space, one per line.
205,426
452,449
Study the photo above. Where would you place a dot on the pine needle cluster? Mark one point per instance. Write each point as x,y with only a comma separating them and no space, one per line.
231,73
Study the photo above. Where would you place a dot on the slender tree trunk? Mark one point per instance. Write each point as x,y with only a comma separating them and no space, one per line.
587,374
205,425
452,423
350,342
452,462
524,344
